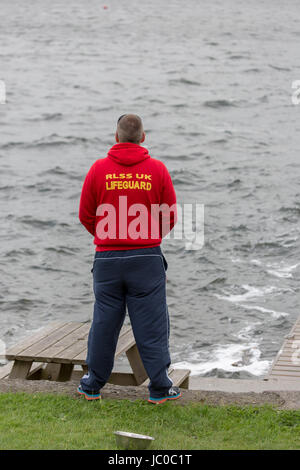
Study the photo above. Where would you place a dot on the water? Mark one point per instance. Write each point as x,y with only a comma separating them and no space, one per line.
212,82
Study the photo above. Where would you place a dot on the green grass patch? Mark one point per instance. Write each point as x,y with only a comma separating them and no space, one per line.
44,421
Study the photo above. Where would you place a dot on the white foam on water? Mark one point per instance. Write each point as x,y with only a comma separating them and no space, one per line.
277,269
229,357
282,271
256,262
274,313
245,333
251,292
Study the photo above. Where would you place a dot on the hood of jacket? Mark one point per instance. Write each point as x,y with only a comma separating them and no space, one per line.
128,154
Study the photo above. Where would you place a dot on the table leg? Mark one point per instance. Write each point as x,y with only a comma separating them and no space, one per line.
65,372
58,372
136,364
20,369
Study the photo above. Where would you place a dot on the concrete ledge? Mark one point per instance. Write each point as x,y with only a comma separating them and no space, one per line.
239,385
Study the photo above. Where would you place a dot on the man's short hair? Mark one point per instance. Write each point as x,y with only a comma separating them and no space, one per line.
130,128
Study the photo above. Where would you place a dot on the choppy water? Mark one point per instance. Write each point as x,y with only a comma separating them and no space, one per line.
212,81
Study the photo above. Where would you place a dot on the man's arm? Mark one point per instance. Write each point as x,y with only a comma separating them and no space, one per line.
168,198
88,202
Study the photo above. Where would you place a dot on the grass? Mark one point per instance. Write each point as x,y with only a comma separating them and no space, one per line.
44,421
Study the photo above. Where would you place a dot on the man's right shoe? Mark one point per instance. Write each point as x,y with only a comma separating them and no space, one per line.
172,394
88,395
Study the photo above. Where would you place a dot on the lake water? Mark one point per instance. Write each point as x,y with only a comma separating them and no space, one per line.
213,84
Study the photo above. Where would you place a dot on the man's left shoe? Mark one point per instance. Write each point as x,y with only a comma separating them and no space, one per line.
89,395
172,394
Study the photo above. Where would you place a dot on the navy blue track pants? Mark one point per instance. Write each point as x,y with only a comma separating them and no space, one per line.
136,279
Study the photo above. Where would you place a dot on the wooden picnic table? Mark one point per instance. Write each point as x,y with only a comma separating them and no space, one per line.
53,351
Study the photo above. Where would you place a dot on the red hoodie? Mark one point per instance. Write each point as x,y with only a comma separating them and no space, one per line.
121,196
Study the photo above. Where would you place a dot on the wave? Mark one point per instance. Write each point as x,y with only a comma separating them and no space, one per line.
21,304
39,223
252,70
42,187
274,313
183,177
280,69
64,250
52,140
265,247
59,171
218,141
279,270
212,43
184,81
238,228
55,139
235,183
238,57
7,188
251,292
219,103
214,282
21,252
293,209
47,117
178,157
178,105
233,359
282,271
230,358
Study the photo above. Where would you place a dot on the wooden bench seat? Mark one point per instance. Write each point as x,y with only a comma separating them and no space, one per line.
179,377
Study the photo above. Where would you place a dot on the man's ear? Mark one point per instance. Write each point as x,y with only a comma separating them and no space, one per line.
117,137
143,137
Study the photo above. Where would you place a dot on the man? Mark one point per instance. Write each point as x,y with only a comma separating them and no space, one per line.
128,204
